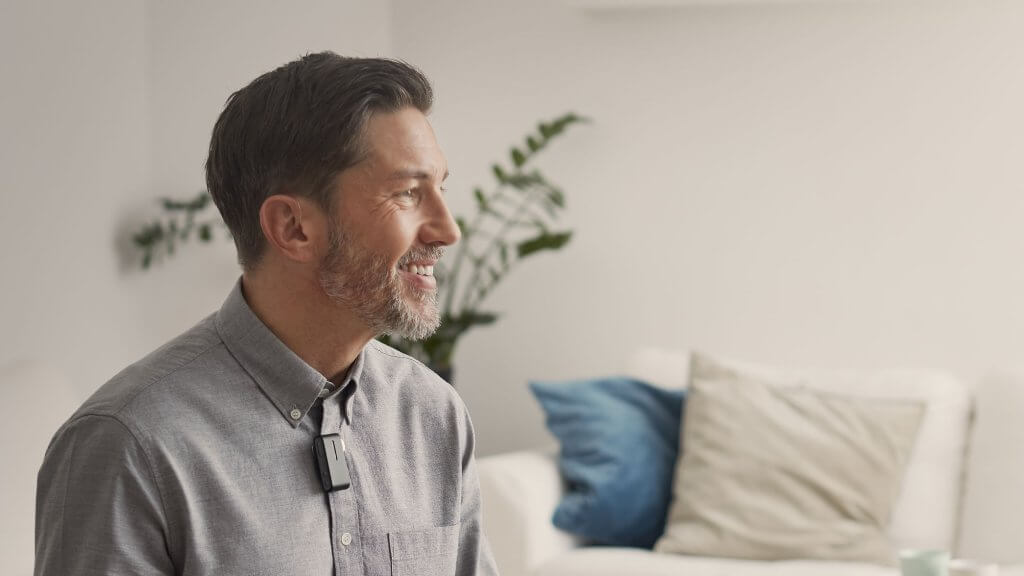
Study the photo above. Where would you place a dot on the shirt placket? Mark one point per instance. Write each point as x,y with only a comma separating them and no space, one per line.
345,537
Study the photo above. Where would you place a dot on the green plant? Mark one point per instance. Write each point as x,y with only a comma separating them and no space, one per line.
161,236
513,221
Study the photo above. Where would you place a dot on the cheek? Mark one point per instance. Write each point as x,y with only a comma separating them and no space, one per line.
395,236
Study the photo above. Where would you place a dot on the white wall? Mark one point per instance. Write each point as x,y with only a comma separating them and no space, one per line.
837,185
105,106
73,147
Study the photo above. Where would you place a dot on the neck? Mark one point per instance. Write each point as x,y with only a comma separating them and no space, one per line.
295,308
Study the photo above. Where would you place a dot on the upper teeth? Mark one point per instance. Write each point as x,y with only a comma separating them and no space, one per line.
421,270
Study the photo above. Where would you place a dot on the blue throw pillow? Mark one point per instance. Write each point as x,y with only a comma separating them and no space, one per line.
619,440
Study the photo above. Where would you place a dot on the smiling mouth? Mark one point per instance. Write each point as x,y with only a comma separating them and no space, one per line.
418,270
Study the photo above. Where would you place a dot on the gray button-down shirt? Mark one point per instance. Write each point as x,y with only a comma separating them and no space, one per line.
198,460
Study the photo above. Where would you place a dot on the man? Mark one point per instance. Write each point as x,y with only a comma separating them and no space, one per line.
199,458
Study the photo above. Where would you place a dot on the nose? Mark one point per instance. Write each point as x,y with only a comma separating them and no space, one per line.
440,227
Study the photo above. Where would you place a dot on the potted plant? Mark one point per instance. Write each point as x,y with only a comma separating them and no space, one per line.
512,221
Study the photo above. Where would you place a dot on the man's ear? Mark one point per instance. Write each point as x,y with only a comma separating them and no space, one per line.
293,226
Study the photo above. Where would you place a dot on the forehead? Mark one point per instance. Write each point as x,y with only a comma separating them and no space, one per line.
403,140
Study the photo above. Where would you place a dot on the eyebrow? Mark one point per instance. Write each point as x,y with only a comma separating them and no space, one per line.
414,174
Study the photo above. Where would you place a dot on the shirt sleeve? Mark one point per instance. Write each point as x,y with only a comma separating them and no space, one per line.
475,558
98,509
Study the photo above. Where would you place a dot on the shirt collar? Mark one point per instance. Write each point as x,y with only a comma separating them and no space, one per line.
291,384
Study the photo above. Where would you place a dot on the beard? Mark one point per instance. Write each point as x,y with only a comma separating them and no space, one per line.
362,280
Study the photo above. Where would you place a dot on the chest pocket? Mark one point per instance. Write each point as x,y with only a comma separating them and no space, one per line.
428,552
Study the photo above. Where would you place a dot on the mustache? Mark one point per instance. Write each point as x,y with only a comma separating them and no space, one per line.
425,253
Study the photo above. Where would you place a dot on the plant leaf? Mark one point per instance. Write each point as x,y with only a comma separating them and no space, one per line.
498,173
172,205
546,131
518,158
481,200
521,181
200,201
545,241
556,196
478,318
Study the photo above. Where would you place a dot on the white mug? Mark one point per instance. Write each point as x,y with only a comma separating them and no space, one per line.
963,567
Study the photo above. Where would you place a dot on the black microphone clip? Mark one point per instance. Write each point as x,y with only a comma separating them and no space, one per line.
330,459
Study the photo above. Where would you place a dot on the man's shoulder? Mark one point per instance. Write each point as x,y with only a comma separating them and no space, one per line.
167,367
408,377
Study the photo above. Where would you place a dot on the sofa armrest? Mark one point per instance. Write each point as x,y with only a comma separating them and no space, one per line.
520,491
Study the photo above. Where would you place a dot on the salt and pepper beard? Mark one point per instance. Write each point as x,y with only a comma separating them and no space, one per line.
362,280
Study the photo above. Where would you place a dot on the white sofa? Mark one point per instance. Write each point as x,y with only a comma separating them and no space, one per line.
522,489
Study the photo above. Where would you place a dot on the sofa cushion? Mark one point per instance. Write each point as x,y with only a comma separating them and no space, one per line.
993,516
634,562
777,472
926,515
619,439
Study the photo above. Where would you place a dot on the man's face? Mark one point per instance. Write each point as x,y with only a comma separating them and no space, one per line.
389,226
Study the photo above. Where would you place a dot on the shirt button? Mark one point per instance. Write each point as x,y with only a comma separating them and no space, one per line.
295,414
346,539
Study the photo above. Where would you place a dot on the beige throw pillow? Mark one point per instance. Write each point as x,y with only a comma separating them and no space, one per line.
774,472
